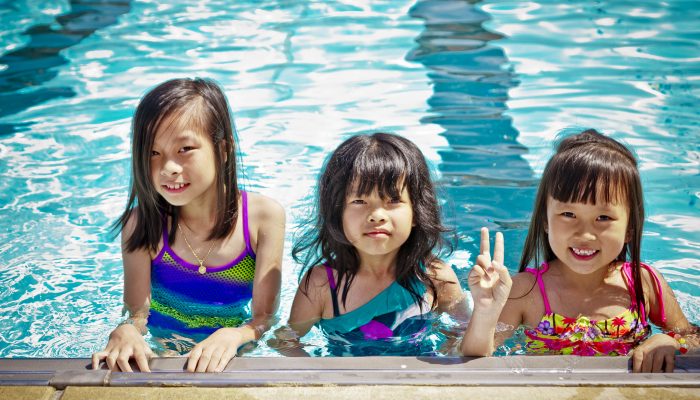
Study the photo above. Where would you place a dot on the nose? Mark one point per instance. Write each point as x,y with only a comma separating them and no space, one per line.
170,168
377,215
586,231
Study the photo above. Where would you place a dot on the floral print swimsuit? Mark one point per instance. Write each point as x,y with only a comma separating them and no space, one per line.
557,334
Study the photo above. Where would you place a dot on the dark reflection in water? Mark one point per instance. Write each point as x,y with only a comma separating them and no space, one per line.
484,176
35,63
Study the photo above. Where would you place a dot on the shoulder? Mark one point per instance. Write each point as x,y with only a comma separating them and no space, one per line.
264,209
440,273
523,283
317,279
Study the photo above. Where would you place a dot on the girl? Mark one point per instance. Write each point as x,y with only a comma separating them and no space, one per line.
591,295
369,256
196,249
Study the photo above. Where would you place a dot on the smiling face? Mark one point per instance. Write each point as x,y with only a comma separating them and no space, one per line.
586,237
377,226
183,168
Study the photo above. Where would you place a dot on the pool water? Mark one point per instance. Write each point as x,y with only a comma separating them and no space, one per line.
481,87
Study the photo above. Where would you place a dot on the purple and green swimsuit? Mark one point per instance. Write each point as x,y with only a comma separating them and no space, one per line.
184,300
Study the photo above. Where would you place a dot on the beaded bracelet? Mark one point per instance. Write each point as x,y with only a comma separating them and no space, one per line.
681,342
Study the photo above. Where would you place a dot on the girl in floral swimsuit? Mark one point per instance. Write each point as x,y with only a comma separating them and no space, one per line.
590,294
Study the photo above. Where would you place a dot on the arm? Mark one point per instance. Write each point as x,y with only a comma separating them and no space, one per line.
450,297
489,283
657,353
267,224
126,340
307,310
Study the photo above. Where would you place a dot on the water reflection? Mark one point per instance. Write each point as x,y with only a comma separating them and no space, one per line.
483,171
35,63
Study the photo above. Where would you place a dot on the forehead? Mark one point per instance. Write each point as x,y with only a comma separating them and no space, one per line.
174,129
361,187
600,204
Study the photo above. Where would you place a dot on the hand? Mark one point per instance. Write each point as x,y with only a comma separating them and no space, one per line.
213,353
125,342
489,280
656,354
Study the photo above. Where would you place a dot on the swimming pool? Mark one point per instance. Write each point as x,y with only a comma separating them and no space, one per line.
482,88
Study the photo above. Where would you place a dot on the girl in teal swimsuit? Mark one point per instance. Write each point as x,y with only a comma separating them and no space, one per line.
370,267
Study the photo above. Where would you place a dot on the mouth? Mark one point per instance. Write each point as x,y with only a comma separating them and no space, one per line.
583,254
175,187
377,233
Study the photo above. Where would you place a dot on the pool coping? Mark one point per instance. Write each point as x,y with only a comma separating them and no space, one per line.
292,371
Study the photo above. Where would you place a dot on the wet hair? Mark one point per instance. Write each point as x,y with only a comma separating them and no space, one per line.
586,168
201,105
362,164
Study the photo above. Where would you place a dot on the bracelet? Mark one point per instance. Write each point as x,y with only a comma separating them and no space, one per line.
681,341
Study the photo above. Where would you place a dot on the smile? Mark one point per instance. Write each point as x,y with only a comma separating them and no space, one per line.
379,233
175,187
583,254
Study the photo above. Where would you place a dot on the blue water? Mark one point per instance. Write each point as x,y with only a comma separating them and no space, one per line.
482,87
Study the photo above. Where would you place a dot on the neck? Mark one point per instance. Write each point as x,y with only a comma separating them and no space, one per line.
379,266
586,283
198,219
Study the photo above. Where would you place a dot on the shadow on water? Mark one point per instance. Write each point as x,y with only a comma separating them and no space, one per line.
483,172
35,63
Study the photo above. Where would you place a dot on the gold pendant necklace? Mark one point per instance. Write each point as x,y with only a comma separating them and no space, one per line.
202,268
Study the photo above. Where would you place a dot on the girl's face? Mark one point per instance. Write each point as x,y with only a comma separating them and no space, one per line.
376,226
183,168
586,237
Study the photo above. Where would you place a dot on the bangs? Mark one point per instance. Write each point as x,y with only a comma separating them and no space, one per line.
380,168
181,117
586,177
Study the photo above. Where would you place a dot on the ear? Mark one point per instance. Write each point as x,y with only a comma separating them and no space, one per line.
546,229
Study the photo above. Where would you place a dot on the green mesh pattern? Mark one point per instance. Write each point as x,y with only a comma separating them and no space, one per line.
196,321
243,272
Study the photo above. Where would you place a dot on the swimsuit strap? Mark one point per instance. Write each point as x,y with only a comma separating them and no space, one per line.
334,293
538,272
246,234
627,274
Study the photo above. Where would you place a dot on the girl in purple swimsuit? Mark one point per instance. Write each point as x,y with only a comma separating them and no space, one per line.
589,294
202,258
372,274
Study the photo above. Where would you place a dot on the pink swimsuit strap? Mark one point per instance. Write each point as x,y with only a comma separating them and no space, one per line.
627,275
538,272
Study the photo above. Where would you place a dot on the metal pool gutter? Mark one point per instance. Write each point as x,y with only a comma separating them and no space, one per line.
547,371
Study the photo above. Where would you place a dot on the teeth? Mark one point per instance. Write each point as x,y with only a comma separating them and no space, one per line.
175,186
583,252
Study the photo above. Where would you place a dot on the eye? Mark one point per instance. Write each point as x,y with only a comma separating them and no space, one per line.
605,218
357,201
568,214
154,153
185,149
395,200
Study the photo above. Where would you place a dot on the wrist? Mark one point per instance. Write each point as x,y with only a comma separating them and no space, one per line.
680,342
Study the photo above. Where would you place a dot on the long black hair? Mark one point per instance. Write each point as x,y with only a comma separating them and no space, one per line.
583,165
196,103
362,164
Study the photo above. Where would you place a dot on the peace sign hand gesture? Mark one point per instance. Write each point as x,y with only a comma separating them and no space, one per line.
489,280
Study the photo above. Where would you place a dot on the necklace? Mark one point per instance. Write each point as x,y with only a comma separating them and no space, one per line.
202,268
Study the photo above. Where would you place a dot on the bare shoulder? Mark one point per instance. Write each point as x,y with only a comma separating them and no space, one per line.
440,272
265,209
318,284
523,285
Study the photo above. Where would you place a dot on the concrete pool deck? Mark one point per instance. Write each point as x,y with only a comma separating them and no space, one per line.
347,378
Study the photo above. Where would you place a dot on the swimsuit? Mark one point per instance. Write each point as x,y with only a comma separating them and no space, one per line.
391,316
182,299
557,334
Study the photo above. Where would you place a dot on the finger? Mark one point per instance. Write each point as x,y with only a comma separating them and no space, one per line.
503,274
193,358
142,361
97,357
647,363
484,261
484,247
203,362
112,360
658,364
498,248
669,363
637,358
225,359
214,361
123,362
